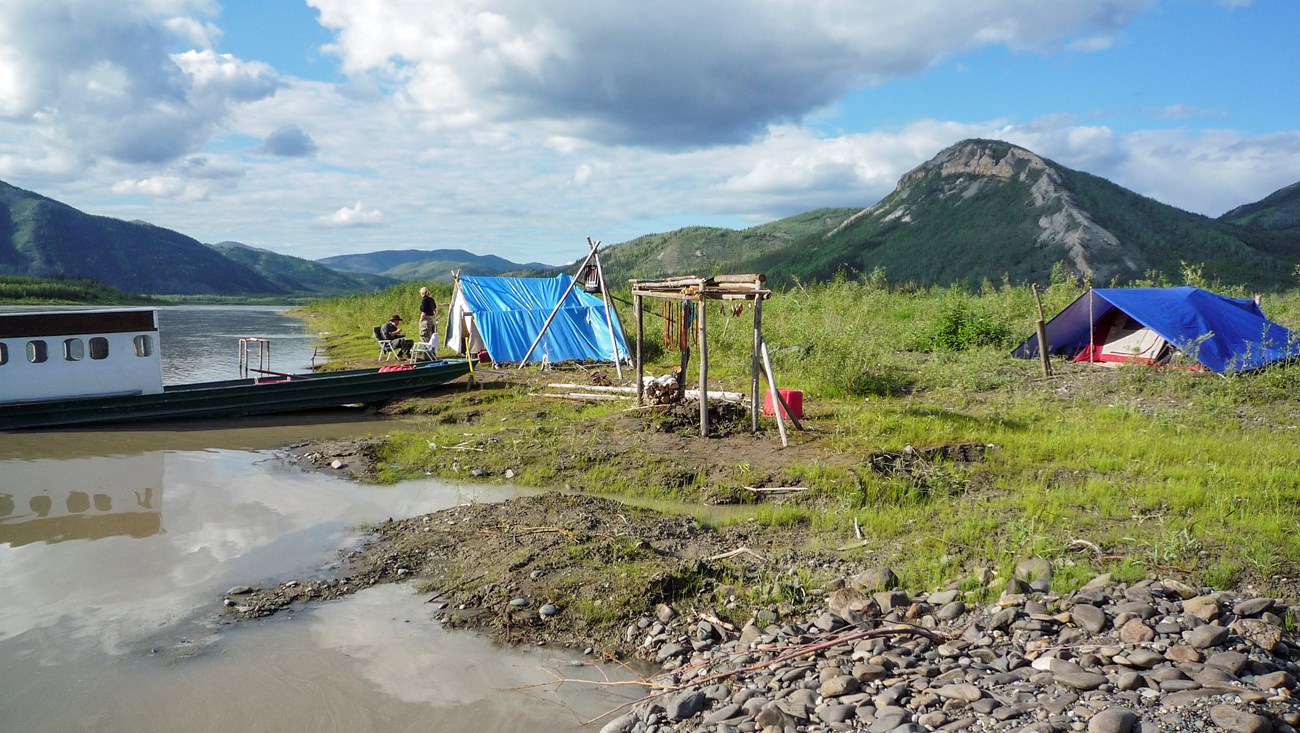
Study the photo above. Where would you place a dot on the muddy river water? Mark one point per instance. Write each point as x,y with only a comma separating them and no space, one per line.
116,547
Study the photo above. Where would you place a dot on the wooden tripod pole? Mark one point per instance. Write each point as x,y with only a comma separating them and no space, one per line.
554,310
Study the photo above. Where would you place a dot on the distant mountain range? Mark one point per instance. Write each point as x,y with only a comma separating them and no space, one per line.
985,209
42,237
980,209
429,265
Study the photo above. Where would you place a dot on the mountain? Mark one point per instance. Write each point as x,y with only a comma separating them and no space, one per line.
41,237
1278,210
980,209
431,265
297,275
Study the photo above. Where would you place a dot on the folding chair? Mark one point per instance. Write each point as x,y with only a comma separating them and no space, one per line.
427,348
386,349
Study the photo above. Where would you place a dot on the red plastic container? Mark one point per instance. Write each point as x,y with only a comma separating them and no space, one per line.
793,399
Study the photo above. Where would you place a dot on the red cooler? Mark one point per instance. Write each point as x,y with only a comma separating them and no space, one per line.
793,398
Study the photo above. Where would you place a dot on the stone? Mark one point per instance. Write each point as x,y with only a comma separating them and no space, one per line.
519,602
726,712
1206,636
964,692
1233,662
621,724
847,601
836,713
943,597
889,600
1089,617
685,704
1252,607
1206,608
1262,634
869,672
875,579
548,610
665,613
839,686
1280,680
1135,631
1232,718
239,590
1113,720
1081,680
1055,665
1033,568
1182,653
1144,658
668,651
951,611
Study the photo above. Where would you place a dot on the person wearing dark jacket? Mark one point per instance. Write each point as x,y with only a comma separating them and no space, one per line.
393,332
428,315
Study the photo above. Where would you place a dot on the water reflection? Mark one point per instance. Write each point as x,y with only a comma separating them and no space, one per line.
81,499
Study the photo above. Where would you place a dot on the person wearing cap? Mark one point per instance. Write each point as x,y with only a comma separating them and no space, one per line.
391,331
428,315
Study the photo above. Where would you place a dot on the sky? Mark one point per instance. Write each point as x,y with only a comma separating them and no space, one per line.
519,128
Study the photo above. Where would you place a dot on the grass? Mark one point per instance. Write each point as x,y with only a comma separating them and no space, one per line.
1136,471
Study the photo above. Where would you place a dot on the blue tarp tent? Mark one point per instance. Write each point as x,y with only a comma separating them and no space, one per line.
505,314
1136,324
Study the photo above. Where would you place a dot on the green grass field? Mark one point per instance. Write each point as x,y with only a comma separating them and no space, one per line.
1136,471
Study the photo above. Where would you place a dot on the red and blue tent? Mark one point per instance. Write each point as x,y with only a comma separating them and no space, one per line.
1147,324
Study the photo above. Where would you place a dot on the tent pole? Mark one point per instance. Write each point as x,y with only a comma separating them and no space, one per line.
554,310
704,369
1040,326
640,367
771,385
753,365
609,319
1091,325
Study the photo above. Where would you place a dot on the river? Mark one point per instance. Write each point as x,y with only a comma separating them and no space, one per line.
117,545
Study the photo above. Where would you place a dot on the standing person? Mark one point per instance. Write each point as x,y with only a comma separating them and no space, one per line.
393,332
428,315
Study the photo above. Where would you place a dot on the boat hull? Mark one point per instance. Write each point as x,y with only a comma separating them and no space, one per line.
236,397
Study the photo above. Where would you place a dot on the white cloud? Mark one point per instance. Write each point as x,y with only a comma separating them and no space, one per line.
354,216
99,77
288,141
684,73
161,187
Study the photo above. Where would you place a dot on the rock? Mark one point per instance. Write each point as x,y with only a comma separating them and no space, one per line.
964,692
1206,608
943,597
1081,680
668,651
1182,590
1206,636
1231,718
1136,632
1252,607
1182,653
869,672
726,712
336,464
836,713
875,579
621,724
839,686
1088,617
1233,662
1113,720
548,610
519,602
510,473
239,590
1262,634
665,613
847,601
685,705
951,611
1033,568
1280,680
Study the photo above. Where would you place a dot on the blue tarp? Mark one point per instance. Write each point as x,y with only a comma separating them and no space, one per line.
1224,334
509,312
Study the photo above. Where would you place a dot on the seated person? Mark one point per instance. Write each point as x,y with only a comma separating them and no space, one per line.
393,332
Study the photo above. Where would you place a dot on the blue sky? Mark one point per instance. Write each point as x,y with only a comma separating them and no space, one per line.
519,128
